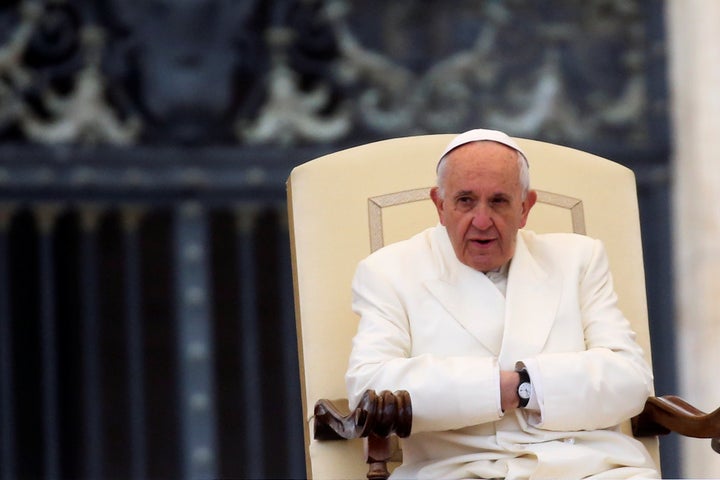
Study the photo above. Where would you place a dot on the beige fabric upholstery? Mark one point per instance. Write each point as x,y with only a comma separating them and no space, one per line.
344,205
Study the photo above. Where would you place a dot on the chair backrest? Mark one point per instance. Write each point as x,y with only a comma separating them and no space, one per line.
345,205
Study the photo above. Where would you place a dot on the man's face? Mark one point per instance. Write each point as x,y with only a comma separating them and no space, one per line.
482,207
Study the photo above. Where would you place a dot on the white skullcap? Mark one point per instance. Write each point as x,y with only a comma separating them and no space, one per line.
480,134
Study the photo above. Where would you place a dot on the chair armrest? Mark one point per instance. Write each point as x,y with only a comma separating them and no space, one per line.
379,414
669,413
387,413
377,417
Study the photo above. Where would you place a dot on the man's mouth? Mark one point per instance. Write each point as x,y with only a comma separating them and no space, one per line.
487,241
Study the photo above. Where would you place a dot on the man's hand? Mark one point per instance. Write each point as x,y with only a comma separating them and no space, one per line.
509,381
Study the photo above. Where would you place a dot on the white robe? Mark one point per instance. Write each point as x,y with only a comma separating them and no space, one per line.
442,331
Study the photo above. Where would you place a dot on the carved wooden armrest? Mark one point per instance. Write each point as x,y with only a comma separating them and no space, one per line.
380,414
377,417
669,413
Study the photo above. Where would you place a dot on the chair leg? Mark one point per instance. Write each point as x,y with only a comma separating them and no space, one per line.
378,471
377,453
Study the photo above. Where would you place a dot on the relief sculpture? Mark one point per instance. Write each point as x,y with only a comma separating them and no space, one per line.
299,72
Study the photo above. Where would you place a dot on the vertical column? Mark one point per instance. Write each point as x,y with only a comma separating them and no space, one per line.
291,370
48,340
253,436
195,343
92,398
7,405
694,32
131,217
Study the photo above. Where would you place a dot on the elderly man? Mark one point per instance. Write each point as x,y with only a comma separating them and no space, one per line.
518,361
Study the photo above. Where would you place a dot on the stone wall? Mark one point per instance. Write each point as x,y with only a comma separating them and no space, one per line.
693,27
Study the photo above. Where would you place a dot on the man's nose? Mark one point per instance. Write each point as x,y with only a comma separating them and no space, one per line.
482,217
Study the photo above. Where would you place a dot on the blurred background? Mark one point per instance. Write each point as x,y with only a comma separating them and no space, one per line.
146,312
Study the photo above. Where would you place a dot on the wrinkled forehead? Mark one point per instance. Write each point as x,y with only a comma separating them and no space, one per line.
483,163
480,157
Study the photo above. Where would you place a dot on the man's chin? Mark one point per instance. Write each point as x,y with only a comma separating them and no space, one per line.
484,265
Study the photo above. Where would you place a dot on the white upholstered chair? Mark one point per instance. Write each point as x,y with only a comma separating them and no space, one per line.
347,204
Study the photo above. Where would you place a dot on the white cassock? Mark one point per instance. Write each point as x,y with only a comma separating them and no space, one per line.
442,331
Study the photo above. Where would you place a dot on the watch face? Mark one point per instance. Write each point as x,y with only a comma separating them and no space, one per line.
524,390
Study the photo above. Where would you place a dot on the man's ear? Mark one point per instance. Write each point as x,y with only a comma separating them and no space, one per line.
527,204
438,201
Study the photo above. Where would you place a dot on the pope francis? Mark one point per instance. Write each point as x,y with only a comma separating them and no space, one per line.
517,359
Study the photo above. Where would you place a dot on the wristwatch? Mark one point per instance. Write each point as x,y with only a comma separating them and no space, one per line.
524,388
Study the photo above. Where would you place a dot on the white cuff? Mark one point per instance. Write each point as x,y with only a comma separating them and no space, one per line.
500,411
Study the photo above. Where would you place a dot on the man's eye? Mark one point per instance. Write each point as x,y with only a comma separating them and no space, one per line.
464,203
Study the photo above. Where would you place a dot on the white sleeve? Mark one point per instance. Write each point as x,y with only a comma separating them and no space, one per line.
607,383
447,392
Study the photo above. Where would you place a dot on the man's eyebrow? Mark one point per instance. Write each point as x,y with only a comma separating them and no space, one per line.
501,195
462,193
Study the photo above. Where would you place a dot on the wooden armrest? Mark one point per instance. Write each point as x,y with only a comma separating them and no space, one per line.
379,414
386,413
376,418
669,413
